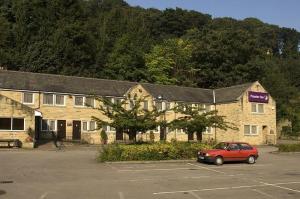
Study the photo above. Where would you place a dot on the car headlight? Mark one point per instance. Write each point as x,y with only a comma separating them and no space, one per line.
207,155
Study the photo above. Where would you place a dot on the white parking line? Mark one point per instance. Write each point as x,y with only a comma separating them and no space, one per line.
206,168
277,185
195,195
262,193
138,170
237,187
121,195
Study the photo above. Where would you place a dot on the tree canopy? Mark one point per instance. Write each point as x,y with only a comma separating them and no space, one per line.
111,39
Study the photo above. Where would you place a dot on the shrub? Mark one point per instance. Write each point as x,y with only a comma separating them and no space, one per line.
289,147
150,151
104,137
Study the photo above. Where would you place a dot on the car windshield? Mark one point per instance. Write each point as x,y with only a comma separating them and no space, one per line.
221,145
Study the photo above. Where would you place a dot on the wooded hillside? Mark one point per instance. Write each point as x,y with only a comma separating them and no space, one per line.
110,39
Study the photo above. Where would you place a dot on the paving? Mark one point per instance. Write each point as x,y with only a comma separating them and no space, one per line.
75,174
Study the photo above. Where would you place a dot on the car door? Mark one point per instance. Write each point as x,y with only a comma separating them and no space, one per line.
232,153
246,150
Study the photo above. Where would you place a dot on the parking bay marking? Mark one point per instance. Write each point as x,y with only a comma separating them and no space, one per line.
137,170
206,168
262,193
195,195
237,187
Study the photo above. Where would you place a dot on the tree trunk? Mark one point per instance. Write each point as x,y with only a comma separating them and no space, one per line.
190,136
162,133
199,136
119,134
132,136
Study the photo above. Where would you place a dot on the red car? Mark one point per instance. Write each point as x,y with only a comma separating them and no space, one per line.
229,151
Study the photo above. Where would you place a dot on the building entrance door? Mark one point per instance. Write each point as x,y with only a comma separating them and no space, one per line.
61,129
76,130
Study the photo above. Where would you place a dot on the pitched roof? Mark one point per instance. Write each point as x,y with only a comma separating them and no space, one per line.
230,94
62,84
179,93
17,80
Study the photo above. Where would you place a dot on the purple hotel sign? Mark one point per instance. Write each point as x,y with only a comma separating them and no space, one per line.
258,97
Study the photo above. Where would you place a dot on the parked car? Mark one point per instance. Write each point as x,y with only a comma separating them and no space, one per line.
229,151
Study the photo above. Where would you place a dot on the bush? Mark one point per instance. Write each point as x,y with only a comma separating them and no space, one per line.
289,148
150,151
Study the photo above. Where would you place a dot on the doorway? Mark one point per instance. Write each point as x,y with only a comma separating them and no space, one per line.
76,130
61,129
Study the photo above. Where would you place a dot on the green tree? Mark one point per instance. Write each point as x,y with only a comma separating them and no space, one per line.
195,120
170,62
127,120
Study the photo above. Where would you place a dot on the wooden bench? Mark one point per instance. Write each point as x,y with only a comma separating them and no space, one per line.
10,142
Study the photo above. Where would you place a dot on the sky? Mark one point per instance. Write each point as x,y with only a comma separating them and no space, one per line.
285,13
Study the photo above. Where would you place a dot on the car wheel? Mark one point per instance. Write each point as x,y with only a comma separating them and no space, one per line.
251,159
219,160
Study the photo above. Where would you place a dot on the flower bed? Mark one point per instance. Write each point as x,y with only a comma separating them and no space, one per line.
147,151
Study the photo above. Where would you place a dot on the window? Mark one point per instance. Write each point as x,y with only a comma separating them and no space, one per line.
44,125
89,102
52,126
168,106
28,98
234,147
84,126
158,106
146,105
244,146
208,130
107,128
92,125
88,126
48,125
12,124
131,104
5,123
60,100
257,108
118,101
18,124
250,130
79,101
48,99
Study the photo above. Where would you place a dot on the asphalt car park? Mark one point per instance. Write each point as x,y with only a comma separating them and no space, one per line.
75,174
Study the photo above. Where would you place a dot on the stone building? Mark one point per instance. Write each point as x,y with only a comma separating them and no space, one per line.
62,105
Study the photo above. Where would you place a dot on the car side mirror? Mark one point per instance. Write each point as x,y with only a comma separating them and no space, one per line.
228,149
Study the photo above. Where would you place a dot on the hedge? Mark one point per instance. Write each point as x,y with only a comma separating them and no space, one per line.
289,147
154,151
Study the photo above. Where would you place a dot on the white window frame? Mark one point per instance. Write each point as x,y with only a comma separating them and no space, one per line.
11,124
53,99
256,108
207,131
108,129
84,102
251,133
33,98
64,104
88,126
48,125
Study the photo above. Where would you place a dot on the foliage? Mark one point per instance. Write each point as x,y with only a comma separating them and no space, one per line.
128,120
155,151
289,147
195,120
110,39
103,136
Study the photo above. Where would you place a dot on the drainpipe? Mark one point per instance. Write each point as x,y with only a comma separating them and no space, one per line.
215,104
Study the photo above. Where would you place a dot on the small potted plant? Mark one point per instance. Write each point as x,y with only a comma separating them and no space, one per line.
104,137
29,141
